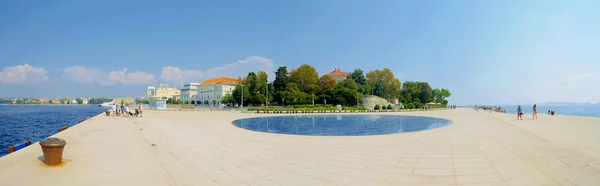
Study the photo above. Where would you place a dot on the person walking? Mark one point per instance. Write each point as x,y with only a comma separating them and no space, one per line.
114,110
519,113
141,109
534,113
122,109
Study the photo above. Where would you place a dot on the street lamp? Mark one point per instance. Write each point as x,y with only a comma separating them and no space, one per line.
242,105
267,94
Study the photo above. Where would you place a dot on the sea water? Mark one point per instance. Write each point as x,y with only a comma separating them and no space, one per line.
36,122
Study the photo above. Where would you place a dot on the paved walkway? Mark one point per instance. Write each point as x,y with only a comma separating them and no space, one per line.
204,148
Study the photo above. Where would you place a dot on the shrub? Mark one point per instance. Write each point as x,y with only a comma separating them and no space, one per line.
376,107
389,107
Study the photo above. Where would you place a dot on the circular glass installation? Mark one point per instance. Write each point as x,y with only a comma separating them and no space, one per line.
341,125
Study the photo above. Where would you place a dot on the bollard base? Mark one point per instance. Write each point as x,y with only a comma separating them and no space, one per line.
52,156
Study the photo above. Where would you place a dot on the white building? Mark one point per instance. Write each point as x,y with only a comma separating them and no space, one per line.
215,89
162,92
189,92
150,92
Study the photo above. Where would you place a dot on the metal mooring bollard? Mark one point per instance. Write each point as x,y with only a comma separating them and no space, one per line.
53,150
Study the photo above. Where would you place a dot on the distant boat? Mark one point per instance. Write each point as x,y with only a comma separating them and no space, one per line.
106,104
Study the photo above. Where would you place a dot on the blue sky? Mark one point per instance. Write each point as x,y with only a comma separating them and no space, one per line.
485,52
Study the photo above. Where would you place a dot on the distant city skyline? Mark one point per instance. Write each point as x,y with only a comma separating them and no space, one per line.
484,52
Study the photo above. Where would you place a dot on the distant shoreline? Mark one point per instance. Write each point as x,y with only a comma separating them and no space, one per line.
54,104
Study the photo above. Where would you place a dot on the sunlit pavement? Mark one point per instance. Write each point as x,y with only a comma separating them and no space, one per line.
204,148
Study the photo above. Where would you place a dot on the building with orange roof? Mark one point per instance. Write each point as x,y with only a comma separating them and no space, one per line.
338,75
215,89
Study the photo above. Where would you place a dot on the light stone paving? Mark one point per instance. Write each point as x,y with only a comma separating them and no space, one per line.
204,148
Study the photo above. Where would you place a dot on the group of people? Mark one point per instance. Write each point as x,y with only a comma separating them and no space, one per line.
123,111
520,112
490,108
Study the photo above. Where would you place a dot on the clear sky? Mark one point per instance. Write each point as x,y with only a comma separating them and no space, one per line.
485,52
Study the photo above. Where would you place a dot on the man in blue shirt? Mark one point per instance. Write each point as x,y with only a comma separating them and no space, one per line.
519,113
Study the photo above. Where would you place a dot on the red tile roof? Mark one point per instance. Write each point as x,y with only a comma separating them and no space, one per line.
220,80
338,72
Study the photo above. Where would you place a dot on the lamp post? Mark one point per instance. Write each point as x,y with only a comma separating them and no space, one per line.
242,105
313,99
267,94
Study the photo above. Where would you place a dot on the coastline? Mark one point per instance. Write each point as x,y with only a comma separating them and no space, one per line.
53,104
176,148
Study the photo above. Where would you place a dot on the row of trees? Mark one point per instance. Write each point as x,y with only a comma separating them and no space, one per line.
304,86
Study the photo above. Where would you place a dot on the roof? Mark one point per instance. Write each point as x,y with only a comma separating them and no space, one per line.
338,72
220,80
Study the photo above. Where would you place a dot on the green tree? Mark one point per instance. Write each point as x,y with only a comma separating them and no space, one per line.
237,94
436,95
79,101
228,98
411,90
262,82
426,93
250,81
281,78
214,102
359,77
206,102
306,78
327,83
193,102
440,95
349,83
384,83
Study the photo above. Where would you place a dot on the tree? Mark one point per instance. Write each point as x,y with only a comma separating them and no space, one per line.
411,90
436,95
237,94
228,98
306,77
214,102
261,83
79,101
384,83
358,76
50,101
327,83
193,102
250,81
426,93
206,102
440,95
349,83
281,78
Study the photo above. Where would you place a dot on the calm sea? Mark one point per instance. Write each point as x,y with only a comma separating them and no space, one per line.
36,122
572,110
